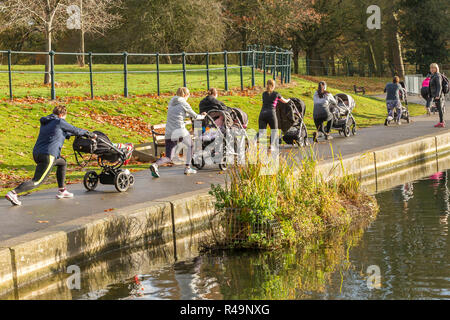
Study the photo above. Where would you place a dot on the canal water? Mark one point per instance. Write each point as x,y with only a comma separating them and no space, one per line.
403,254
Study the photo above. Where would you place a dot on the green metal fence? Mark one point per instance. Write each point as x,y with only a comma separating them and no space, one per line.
276,62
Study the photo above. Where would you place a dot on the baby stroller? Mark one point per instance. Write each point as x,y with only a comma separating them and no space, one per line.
403,105
110,157
343,119
291,122
222,131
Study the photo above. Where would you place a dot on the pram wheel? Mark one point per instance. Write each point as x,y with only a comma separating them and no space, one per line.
353,127
131,180
346,131
223,166
90,180
198,164
122,182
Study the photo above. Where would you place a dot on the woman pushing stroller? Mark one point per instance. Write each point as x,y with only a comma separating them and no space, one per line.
323,104
268,115
47,154
393,101
176,131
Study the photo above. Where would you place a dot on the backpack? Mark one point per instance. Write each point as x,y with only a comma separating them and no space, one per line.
84,145
445,84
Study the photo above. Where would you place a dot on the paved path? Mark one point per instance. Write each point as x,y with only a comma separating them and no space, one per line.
43,206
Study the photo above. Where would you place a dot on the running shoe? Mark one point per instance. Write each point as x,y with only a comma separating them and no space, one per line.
189,171
11,196
154,170
64,194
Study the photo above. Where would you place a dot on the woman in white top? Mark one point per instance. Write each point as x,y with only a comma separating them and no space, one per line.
179,109
323,104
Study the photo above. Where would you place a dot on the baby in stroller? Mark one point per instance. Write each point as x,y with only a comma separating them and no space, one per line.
218,127
111,157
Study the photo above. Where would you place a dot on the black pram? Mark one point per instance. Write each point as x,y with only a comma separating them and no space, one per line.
343,119
110,157
290,118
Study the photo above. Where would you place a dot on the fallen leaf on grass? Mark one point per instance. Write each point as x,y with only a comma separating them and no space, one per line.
42,221
109,210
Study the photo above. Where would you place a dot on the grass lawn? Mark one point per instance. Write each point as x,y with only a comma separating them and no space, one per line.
128,120
139,82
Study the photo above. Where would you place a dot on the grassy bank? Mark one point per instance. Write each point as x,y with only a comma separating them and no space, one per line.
129,120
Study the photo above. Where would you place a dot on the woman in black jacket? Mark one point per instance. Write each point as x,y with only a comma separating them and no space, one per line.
436,92
211,103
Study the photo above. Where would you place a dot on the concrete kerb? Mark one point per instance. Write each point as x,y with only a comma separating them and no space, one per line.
6,270
383,160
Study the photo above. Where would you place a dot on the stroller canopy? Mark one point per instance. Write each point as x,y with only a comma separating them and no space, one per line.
289,114
348,101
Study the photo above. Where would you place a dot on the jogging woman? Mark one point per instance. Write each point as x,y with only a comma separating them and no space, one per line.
176,131
268,115
436,92
47,154
323,100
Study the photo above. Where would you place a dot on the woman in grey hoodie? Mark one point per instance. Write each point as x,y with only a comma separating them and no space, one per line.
176,132
323,104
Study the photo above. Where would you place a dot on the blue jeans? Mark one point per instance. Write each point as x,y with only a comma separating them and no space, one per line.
391,106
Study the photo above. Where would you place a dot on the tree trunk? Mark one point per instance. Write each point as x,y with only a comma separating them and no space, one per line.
397,56
81,60
395,47
48,48
295,54
371,59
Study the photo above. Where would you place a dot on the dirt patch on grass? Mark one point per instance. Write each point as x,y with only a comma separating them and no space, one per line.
372,85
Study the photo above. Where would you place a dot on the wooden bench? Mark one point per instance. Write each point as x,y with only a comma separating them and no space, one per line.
158,133
359,89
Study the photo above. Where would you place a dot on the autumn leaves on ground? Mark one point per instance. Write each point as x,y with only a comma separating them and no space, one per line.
129,120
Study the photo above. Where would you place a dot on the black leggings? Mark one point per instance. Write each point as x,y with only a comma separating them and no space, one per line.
319,125
268,117
439,106
45,164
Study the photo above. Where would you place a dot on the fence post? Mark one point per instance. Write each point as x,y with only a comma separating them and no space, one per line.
264,67
91,78
225,68
253,68
288,67
283,67
10,75
275,65
241,58
157,74
184,69
125,74
207,70
52,74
